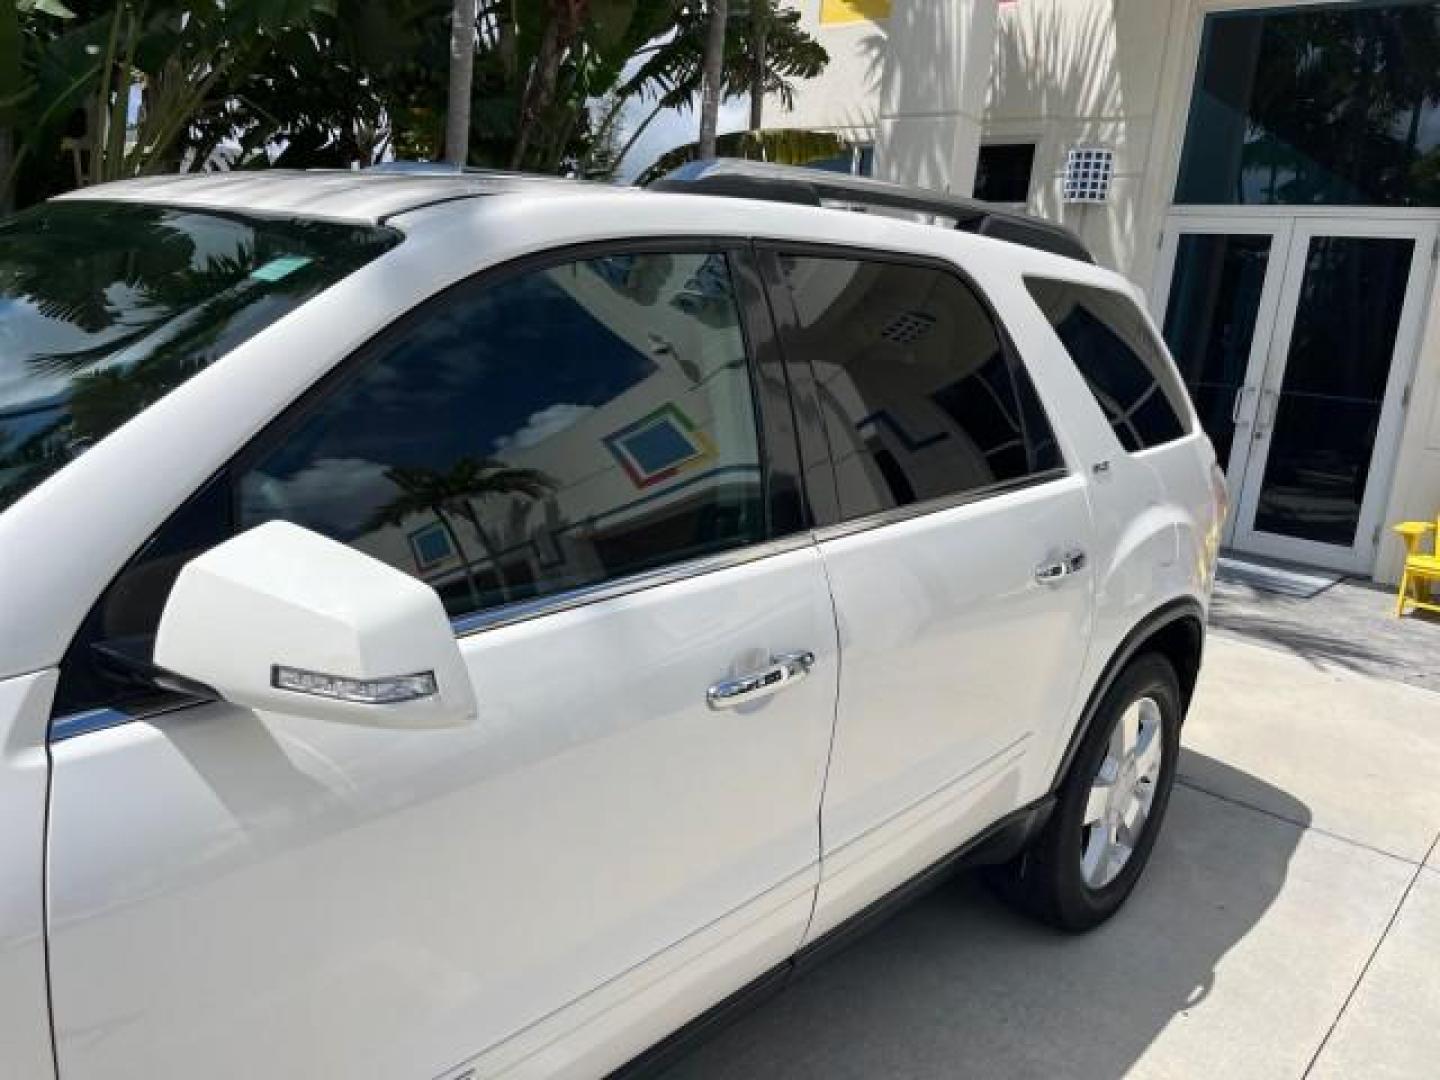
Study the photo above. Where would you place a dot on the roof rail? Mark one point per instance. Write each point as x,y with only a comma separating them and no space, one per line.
816,187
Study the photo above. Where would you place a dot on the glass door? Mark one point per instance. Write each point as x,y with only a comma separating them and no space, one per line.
1295,337
1326,420
1219,311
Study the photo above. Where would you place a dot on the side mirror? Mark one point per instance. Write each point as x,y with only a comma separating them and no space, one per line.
282,619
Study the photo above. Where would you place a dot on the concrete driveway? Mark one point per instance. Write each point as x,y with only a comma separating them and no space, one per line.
1288,924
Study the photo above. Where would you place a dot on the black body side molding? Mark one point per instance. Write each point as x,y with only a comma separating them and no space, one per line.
999,843
1184,615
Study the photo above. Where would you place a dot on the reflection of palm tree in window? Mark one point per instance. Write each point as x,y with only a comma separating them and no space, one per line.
456,493
1335,106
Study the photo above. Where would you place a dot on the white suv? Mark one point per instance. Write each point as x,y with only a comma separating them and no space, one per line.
468,625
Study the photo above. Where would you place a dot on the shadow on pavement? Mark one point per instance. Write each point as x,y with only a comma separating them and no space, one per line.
1351,625
958,985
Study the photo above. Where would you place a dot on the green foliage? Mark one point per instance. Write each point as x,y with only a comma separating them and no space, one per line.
341,83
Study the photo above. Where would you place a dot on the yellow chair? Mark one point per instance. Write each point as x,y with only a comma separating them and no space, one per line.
1421,570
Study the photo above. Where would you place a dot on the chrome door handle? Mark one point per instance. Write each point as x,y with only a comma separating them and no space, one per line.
782,672
1238,405
1265,418
1072,562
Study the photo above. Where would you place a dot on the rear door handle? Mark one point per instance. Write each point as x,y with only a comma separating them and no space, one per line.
1238,405
1266,416
1072,562
782,672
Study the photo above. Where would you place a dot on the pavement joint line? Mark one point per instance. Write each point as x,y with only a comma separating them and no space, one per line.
1369,960
1186,782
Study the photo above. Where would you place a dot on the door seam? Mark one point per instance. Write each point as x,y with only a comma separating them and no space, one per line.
829,752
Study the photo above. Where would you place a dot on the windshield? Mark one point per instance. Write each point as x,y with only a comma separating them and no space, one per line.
107,307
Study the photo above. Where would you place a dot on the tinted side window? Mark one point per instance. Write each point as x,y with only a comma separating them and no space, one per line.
921,398
521,438
509,441
1108,339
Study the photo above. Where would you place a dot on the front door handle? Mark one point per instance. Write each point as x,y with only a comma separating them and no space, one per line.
782,672
1266,416
1072,562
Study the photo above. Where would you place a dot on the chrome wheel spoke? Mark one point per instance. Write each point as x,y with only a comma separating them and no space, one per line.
1127,733
1119,855
1096,803
1133,813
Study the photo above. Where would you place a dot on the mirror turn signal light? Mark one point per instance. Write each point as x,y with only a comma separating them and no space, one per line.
388,691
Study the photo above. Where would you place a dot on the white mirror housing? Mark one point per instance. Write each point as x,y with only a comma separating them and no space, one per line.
282,619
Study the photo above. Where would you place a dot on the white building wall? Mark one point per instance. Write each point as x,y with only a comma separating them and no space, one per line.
912,83
937,77
845,98
1070,73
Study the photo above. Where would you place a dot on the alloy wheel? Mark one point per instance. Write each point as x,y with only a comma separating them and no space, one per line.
1121,793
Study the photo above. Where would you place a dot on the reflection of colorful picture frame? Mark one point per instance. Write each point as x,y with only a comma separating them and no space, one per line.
431,546
659,446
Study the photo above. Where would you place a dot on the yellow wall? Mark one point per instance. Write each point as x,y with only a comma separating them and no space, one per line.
845,11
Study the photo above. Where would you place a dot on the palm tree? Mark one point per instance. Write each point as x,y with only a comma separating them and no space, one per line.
713,69
564,21
456,493
462,77
762,14
672,73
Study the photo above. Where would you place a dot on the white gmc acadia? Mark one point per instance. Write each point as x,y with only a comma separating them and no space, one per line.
473,625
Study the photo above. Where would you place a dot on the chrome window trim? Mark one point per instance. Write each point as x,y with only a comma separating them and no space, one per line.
89,721
585,595
465,626
897,514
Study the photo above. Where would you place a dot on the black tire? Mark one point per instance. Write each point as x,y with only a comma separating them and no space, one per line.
1046,881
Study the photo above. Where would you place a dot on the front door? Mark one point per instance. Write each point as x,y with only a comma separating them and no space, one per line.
1296,339
569,455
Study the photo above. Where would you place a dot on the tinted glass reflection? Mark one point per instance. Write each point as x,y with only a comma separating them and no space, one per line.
1210,323
526,437
107,307
920,398
1122,363
1333,104
1336,372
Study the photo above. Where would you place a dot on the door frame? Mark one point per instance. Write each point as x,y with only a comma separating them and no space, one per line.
1360,555
1293,227
1245,409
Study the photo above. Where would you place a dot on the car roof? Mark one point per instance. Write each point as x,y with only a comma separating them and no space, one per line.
374,196
360,197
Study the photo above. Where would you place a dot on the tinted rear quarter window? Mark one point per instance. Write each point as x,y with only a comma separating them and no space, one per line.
1111,344
921,396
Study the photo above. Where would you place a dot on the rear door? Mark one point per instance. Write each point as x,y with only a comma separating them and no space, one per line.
573,454
955,539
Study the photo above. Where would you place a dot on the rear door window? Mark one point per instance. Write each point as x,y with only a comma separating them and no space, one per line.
921,396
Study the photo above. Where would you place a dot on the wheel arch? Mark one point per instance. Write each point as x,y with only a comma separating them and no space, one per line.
1176,630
